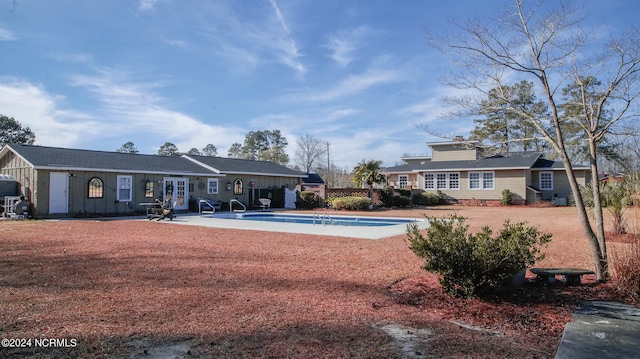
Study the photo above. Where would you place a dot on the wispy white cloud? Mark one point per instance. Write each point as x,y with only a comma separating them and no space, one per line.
32,106
146,5
250,41
343,45
6,35
74,58
135,108
355,84
286,44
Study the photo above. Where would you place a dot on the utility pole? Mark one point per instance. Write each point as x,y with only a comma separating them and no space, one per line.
328,164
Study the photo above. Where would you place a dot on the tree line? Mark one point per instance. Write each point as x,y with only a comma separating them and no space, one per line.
267,145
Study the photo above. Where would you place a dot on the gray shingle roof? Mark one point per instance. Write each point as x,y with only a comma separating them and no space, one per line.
42,157
517,160
407,167
240,166
548,164
313,178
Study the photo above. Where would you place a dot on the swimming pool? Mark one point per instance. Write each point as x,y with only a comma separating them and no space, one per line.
322,219
326,223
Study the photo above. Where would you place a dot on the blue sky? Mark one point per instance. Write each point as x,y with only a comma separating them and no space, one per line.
357,74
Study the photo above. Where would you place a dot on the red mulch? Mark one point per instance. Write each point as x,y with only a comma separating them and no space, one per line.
131,288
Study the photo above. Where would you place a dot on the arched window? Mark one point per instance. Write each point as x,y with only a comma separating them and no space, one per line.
96,188
148,189
237,186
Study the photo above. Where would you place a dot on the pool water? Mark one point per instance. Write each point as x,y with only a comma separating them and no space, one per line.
322,219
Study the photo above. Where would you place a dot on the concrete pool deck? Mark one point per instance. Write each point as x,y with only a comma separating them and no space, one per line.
364,232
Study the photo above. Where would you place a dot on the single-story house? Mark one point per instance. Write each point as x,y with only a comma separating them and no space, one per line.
62,181
461,170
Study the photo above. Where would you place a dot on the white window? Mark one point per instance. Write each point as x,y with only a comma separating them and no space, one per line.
124,193
402,181
487,180
442,180
428,181
481,180
474,180
212,186
546,181
454,181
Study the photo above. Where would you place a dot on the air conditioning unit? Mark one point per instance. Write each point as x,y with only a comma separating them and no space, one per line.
559,201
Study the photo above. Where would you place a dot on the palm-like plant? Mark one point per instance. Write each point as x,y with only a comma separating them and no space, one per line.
368,172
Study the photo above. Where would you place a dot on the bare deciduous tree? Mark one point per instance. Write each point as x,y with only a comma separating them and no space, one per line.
309,153
546,44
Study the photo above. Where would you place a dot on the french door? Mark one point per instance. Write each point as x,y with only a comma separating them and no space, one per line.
175,191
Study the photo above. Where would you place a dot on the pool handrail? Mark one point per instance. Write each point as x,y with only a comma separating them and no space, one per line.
322,219
231,202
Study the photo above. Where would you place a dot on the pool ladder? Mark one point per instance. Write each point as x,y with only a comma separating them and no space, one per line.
231,202
322,218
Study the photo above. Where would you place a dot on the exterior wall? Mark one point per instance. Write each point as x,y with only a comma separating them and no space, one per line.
15,167
561,187
453,152
414,180
265,187
513,180
78,192
81,204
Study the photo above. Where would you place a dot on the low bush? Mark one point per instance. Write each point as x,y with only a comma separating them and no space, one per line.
309,200
386,197
404,192
470,264
351,203
401,201
391,197
507,197
625,267
428,198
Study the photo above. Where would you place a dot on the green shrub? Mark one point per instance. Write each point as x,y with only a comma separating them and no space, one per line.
404,192
507,197
470,264
386,197
401,201
391,197
309,200
351,203
428,198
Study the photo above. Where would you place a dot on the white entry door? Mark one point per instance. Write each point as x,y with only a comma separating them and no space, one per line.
58,192
175,191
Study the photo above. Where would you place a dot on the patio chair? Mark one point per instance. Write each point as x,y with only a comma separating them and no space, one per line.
265,203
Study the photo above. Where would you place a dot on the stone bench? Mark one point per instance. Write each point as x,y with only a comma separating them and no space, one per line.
571,276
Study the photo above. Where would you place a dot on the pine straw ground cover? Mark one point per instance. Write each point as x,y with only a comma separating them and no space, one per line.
131,288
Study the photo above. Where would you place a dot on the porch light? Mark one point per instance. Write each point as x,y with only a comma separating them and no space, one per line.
228,185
